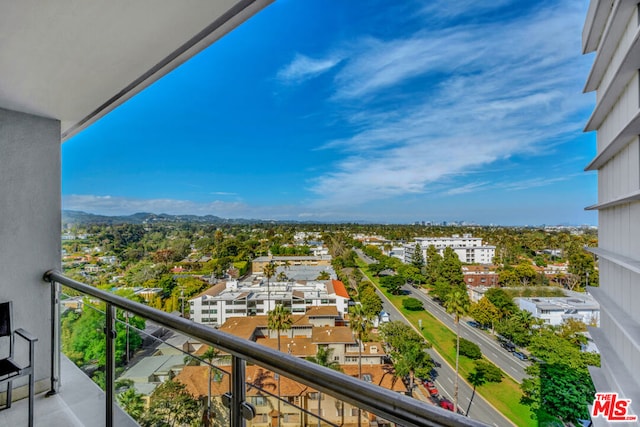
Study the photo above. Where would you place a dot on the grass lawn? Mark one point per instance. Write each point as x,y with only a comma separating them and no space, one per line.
504,396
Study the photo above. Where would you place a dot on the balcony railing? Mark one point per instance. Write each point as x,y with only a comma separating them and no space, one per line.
386,404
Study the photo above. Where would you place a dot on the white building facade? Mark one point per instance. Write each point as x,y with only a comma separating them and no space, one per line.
555,310
238,299
612,31
470,250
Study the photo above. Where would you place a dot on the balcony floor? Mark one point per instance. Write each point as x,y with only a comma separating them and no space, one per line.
80,403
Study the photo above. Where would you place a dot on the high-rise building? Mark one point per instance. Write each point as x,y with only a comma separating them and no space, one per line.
612,31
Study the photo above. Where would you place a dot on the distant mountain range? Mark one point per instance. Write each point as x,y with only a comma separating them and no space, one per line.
79,217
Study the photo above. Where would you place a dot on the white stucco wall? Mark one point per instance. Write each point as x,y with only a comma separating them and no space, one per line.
29,224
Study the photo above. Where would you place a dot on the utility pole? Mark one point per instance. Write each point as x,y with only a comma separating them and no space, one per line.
182,298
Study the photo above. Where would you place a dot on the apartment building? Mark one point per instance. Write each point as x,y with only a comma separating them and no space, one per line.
300,406
309,332
470,250
555,310
612,31
480,275
232,298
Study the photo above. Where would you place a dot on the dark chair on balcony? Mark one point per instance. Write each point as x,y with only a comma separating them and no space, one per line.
9,368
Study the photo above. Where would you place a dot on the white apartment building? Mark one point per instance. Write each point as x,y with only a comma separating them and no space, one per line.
612,31
241,299
470,250
555,310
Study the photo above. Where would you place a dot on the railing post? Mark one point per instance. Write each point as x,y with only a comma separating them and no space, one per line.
55,338
237,391
110,332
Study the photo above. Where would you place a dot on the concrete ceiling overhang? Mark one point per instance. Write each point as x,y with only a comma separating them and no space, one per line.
76,60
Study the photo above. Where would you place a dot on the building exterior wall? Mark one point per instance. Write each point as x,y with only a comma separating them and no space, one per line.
29,225
215,310
470,250
618,165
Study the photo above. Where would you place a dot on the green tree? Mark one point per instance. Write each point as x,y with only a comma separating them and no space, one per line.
561,384
371,302
582,265
171,405
434,263
324,275
279,320
451,268
502,301
417,260
132,403
407,350
484,312
360,325
457,303
269,271
209,355
393,284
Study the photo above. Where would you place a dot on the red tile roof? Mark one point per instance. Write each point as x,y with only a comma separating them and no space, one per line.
339,289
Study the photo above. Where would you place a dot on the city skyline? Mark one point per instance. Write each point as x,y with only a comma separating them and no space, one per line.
333,111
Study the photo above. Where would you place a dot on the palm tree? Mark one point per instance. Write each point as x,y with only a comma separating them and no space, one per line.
360,324
132,402
323,358
269,271
209,355
279,320
457,303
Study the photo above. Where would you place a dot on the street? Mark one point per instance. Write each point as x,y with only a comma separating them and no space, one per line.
444,379
480,409
490,347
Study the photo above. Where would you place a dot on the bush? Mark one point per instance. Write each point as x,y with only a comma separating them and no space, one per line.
469,349
412,304
489,371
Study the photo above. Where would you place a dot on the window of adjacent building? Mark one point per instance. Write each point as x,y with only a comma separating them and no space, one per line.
259,401
314,396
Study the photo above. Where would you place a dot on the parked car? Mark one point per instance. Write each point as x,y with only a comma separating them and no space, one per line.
447,404
520,355
474,324
431,388
509,346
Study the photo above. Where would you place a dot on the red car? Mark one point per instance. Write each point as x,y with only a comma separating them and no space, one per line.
447,404
431,388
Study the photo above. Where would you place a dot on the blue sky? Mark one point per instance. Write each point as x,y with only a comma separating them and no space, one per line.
380,111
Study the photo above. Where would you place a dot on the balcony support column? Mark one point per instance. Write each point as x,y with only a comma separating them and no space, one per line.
237,391
55,338
110,332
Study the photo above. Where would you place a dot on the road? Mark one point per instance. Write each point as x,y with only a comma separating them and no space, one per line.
479,409
490,347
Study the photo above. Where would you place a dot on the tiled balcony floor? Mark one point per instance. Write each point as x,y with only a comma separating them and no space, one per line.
80,403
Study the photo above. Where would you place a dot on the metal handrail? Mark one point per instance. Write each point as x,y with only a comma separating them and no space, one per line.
387,404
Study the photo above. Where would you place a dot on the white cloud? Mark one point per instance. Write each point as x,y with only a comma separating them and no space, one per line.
303,67
448,8
492,92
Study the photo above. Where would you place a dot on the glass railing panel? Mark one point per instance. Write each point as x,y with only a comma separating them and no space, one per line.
311,396
82,324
